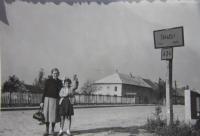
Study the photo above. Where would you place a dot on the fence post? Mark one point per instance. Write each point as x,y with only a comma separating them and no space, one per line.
96,99
10,99
79,99
29,97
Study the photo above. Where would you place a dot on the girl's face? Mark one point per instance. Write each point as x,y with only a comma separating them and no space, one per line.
67,84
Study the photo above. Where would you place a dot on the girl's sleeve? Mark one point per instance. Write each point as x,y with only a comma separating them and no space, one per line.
62,93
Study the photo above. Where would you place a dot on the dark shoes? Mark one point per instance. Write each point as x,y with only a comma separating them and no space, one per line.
48,133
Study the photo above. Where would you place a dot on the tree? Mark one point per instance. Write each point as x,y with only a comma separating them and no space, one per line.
162,89
13,84
39,82
88,88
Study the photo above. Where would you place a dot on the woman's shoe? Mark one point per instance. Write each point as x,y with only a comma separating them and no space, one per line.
45,134
51,133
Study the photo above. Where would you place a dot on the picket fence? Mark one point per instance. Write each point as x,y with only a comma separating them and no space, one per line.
34,99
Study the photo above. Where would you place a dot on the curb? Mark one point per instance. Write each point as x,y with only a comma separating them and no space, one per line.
75,106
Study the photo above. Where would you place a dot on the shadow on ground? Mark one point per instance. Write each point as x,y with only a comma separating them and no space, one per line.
132,131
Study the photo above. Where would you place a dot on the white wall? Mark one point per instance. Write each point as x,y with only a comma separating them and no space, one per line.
188,113
109,89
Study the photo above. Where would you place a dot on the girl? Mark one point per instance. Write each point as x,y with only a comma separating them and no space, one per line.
65,106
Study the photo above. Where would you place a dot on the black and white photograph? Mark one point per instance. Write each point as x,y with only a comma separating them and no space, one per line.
100,67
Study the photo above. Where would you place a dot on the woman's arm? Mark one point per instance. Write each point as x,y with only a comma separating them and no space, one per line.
45,90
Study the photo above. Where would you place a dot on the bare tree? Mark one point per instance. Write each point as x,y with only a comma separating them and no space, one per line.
88,88
162,90
40,80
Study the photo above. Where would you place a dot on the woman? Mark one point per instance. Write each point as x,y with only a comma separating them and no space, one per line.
50,99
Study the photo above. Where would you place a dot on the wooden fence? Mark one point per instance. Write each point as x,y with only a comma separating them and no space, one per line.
33,99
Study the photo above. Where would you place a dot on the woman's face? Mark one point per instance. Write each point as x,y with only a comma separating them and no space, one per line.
55,74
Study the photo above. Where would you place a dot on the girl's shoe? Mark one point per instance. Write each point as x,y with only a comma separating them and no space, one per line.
69,133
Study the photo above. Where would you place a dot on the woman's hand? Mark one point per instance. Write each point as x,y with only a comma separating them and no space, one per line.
41,104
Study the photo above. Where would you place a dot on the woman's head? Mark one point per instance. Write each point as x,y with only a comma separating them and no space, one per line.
55,73
67,82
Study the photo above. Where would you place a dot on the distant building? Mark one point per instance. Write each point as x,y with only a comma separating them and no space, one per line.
33,89
118,84
178,96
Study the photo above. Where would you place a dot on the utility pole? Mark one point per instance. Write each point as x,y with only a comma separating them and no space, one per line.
175,91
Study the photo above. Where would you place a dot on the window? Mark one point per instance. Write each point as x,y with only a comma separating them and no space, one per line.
115,88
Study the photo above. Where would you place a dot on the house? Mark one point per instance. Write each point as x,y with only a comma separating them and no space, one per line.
118,84
178,96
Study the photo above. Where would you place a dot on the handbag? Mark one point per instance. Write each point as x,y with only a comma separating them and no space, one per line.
39,116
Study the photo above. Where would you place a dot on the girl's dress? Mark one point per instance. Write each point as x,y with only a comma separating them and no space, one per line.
65,106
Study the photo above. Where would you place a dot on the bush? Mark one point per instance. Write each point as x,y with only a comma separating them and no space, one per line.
156,122
159,127
176,129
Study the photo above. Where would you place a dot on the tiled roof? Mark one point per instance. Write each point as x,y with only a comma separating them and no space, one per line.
132,80
119,78
154,85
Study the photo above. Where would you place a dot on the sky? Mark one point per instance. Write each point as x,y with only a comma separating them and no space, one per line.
95,40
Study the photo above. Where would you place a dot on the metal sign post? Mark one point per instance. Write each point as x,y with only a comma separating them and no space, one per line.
166,39
167,54
169,103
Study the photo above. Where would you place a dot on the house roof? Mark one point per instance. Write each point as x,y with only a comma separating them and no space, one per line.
154,85
119,78
180,91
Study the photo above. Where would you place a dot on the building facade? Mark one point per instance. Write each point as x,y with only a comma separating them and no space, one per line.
119,84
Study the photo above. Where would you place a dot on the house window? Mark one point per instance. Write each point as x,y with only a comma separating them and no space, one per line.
115,88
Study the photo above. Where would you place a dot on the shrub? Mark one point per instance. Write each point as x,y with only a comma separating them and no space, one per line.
176,129
155,122
159,127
